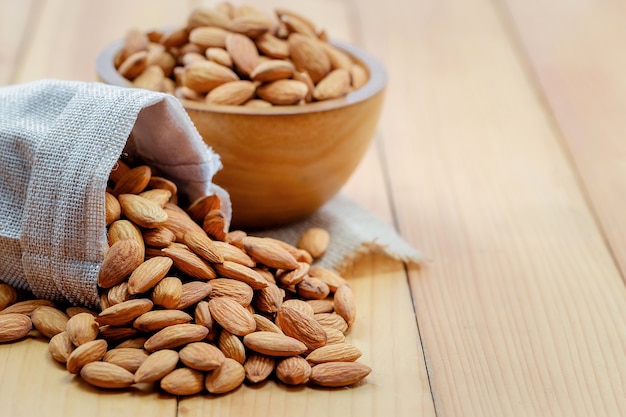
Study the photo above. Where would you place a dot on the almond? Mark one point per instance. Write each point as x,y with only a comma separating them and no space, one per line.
272,46
26,307
358,75
156,366
272,70
141,211
124,313
60,347
74,310
8,296
133,342
304,77
315,241
206,16
274,344
151,321
234,254
312,288
251,25
268,299
202,206
283,92
152,78
232,346
297,25
338,374
321,306
258,367
190,263
14,326
301,326
294,370
308,56
127,358
112,208
334,336
225,378
202,356
237,290
300,305
123,229
205,76
202,316
332,320
82,328
330,277
118,294
175,336
159,237
134,181
344,304
336,352
119,262
229,314
293,277
334,85
116,333
243,52
148,274
208,37
337,57
231,93
263,324
179,222
134,65
49,321
242,273
215,225
183,381
269,253
167,292
158,195
84,354
106,375
200,244
163,184
193,292
219,56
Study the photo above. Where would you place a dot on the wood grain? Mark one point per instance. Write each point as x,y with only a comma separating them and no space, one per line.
15,17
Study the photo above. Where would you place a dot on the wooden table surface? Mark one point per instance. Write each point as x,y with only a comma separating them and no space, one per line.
501,154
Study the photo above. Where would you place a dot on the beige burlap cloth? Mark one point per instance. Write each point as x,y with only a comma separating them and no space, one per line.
61,139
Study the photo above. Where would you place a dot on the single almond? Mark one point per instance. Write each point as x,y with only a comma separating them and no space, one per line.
269,253
118,294
14,326
190,263
314,240
183,381
208,36
283,92
134,65
202,356
243,52
273,344
124,229
220,56
293,370
232,316
225,378
334,336
179,222
334,85
300,305
321,306
133,181
8,295
251,25
330,277
167,292
339,374
232,346
203,205
159,237
206,75
258,367
133,342
337,57
344,304
26,307
263,324
358,75
193,292
148,274
242,273
175,336
156,366
208,16
155,320
335,352
304,77
124,313
200,244
49,321
112,208
332,320
84,354
163,184
82,328
295,24
268,299
301,326
215,224
60,347
71,311
126,357
158,195
152,78
237,290
232,93
119,262
115,334
106,375
307,55
141,211
272,70
232,253
272,46
312,288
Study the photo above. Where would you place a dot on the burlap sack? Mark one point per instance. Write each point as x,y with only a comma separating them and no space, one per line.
59,141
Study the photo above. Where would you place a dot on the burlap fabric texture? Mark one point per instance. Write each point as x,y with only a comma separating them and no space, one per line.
59,141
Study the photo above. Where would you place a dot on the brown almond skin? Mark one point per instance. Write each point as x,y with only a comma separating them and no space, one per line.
301,326
26,307
190,263
237,290
200,244
175,336
124,313
294,370
49,321
308,56
344,304
82,328
337,352
133,181
156,366
141,211
120,260
60,347
8,295
106,375
258,367
232,316
274,344
283,92
183,381
338,374
112,208
167,292
155,320
226,378
242,273
148,274
84,354
315,241
193,292
269,253
14,326
127,358
232,346
122,229
202,356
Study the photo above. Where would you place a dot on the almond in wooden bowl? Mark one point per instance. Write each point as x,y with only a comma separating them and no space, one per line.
282,161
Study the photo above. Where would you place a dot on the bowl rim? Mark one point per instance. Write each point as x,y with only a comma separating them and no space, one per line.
377,81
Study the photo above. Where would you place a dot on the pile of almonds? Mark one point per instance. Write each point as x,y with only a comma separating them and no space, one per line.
237,55
190,306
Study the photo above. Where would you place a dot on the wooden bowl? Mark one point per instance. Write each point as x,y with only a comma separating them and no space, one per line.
283,163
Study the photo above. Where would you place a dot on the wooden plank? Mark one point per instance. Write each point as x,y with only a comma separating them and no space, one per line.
521,310
386,334
14,17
